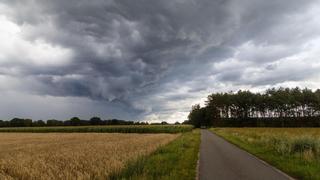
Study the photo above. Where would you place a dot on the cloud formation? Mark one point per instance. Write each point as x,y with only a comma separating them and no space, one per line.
149,60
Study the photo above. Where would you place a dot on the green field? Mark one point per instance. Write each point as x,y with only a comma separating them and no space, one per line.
105,129
177,160
295,151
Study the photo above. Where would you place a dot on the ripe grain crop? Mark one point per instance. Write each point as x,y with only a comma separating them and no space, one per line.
72,155
294,150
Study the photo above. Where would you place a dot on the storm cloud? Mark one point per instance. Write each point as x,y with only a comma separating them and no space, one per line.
149,60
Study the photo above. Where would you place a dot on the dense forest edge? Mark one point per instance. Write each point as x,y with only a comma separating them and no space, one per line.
281,107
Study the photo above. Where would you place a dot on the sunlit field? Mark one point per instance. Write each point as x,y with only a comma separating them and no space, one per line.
72,155
294,150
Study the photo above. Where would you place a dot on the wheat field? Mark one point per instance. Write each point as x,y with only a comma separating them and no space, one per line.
72,155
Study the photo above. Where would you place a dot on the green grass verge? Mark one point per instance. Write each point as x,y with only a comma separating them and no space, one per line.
105,129
177,160
291,164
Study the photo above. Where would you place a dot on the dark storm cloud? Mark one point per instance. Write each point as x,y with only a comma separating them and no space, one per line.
124,51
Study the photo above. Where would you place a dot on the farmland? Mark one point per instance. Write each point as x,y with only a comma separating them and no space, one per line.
73,155
104,129
293,150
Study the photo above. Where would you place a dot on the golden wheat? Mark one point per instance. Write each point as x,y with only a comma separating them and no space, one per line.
72,156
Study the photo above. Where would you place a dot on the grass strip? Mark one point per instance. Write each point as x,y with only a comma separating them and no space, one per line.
104,129
291,164
177,160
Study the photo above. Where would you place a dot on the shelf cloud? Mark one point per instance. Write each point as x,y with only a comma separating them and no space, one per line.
149,60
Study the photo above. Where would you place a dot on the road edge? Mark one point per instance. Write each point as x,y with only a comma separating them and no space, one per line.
198,167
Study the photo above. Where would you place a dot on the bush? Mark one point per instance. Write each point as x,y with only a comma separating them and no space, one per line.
301,145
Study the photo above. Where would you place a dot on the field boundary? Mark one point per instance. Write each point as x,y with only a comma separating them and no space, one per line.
198,166
102,129
176,160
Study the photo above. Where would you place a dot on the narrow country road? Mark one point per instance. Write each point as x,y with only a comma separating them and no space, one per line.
222,160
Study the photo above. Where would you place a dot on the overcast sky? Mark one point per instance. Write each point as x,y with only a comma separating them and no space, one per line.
149,59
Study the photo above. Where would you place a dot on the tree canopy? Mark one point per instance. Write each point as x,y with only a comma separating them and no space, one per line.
273,103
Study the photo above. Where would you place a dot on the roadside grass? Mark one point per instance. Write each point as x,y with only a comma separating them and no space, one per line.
104,129
295,151
177,160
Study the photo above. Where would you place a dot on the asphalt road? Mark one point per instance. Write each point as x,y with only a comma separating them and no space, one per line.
222,160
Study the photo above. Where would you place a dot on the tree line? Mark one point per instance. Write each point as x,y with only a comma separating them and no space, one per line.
281,103
75,121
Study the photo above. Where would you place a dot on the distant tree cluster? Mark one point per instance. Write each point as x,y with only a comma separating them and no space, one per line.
274,103
75,121
201,116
